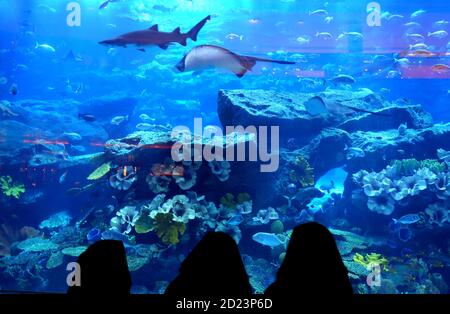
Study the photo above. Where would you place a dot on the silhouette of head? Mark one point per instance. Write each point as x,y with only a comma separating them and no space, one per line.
103,271
312,265
213,268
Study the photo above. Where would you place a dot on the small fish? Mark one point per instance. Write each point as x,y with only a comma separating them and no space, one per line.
328,19
324,35
320,12
441,23
236,220
418,13
412,24
106,3
354,35
119,120
78,148
407,219
163,8
62,178
422,54
403,62
268,239
438,34
234,36
416,37
13,90
145,117
385,90
72,136
440,68
144,126
87,117
393,17
302,40
354,152
419,46
343,79
254,21
393,74
45,47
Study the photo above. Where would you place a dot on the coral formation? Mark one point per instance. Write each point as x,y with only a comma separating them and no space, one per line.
123,178
11,189
302,172
55,221
168,230
125,220
369,260
221,169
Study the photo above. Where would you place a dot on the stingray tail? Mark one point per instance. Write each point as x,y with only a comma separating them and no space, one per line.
368,111
193,33
271,60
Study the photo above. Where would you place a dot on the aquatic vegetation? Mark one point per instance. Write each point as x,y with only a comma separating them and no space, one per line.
123,179
302,173
168,230
228,200
11,189
371,259
100,172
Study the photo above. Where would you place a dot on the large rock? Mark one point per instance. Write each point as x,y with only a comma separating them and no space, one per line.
390,118
287,110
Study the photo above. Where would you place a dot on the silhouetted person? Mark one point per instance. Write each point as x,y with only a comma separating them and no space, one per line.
103,272
311,268
213,268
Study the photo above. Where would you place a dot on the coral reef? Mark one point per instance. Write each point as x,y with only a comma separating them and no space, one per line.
221,169
168,230
123,178
56,221
11,189
125,220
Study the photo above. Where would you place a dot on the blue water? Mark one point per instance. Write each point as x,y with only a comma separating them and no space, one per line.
50,73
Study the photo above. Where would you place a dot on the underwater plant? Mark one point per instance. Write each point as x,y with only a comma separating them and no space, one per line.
11,189
168,230
371,259
302,172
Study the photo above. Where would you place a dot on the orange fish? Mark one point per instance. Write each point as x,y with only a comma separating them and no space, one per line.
421,53
440,68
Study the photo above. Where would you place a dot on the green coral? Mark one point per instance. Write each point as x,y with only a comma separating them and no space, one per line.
371,259
229,201
407,167
277,227
302,172
167,230
11,189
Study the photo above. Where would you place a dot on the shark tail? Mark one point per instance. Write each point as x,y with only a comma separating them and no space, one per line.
192,34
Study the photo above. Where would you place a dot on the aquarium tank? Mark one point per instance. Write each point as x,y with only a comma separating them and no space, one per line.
153,122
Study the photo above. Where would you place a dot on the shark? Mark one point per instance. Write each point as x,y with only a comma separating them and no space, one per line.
205,57
153,37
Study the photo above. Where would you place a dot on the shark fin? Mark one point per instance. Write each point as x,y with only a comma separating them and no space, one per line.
176,31
163,46
183,41
154,27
